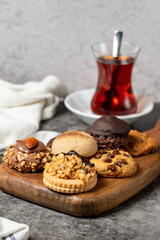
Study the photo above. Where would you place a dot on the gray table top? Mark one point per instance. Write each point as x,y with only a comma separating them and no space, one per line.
137,218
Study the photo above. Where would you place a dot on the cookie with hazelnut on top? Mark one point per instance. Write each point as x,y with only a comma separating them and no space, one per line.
29,155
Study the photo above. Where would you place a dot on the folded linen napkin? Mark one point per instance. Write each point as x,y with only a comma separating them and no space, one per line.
10,230
23,106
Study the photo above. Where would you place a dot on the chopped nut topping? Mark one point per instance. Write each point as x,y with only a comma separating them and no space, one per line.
69,167
42,154
37,156
27,162
20,157
44,160
11,154
33,165
22,163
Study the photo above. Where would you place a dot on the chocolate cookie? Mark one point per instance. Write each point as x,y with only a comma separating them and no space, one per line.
28,155
112,142
140,144
110,132
114,163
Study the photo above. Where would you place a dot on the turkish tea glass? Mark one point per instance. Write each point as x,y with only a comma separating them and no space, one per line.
114,94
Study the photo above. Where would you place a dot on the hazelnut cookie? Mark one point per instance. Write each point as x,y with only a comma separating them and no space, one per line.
29,155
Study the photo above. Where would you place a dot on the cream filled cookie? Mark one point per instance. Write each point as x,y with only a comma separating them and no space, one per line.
70,173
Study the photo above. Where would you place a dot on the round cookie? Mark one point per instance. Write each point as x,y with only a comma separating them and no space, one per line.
70,173
110,132
28,155
114,163
69,186
79,141
140,144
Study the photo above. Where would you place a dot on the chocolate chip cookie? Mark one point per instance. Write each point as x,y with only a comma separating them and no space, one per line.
114,163
140,144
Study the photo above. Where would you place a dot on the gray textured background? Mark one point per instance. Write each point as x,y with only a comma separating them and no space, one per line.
54,37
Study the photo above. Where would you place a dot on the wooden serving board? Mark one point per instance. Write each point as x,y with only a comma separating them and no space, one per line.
108,193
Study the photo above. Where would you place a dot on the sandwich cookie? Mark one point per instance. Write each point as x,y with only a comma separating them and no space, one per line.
70,173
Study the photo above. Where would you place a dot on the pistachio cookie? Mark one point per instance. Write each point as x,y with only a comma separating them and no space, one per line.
140,144
114,163
28,155
70,173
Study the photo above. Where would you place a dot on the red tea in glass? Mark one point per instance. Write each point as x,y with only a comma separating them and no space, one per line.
114,93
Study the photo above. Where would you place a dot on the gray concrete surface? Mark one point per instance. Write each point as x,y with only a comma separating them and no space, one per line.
54,37
44,37
137,218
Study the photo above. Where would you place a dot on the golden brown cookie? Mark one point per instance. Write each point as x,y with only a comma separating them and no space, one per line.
69,186
114,163
140,144
70,173
79,141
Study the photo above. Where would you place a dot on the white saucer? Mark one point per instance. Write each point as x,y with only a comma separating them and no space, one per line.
79,103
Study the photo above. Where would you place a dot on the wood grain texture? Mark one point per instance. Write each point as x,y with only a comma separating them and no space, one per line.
108,193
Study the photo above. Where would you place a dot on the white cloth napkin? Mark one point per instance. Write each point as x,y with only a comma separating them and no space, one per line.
10,230
45,136
23,106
